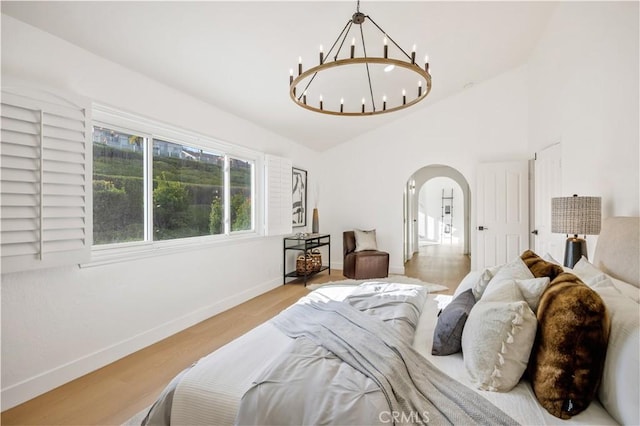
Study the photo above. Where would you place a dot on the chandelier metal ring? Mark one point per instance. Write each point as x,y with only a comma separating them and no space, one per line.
293,92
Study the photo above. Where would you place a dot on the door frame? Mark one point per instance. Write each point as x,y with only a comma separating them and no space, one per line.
416,181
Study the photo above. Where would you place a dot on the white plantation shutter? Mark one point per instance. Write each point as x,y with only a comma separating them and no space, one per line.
45,173
278,195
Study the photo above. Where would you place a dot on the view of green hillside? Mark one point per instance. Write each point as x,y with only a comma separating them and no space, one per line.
187,196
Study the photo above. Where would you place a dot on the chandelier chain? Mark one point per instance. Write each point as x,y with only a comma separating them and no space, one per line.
364,50
389,37
346,33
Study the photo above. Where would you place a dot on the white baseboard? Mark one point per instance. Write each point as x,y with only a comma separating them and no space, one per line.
396,270
37,385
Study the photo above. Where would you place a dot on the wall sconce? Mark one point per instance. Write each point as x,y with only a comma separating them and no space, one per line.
412,186
578,216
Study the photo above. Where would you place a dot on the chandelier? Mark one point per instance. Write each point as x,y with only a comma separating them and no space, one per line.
380,90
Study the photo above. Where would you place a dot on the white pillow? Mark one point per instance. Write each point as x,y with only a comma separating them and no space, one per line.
514,270
547,256
601,281
496,343
474,279
485,277
627,289
365,240
469,281
515,290
585,269
618,390
551,259
590,274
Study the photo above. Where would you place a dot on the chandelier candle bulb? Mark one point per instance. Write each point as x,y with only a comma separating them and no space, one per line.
419,88
341,104
413,54
321,102
290,75
384,103
321,55
386,48
426,63
299,65
363,104
404,97
353,47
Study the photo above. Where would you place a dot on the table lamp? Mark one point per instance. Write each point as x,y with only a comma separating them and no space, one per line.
578,216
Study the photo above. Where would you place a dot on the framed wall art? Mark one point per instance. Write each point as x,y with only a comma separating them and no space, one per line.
299,196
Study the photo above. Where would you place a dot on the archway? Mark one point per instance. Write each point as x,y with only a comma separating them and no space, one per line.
412,205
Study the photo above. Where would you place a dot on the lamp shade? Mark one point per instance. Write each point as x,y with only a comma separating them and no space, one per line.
576,215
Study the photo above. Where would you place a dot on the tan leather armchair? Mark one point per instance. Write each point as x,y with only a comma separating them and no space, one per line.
361,265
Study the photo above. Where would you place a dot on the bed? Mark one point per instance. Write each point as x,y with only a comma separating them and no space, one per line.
224,387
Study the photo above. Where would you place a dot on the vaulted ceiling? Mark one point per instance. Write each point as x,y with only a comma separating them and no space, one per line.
237,55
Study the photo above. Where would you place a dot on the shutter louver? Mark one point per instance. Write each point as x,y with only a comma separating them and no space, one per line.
278,220
45,206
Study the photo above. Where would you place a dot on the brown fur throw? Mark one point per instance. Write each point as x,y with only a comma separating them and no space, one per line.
540,267
567,358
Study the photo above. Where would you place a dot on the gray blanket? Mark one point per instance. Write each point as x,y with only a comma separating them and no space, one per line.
346,366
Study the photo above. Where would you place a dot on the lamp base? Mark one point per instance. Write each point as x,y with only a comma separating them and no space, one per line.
574,249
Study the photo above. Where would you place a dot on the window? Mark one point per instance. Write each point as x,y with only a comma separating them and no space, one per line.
118,186
241,175
158,184
188,191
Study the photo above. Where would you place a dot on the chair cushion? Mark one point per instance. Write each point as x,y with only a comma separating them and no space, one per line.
365,240
366,264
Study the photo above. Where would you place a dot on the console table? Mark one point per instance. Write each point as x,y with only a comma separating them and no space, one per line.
304,243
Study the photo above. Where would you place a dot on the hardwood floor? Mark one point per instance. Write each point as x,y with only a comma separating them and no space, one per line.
442,264
116,392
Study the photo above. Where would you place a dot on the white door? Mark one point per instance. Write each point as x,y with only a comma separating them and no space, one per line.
502,226
548,184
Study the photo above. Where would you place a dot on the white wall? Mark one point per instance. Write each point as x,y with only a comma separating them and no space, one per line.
364,186
584,93
58,324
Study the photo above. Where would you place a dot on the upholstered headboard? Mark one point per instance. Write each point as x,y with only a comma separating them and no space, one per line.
618,249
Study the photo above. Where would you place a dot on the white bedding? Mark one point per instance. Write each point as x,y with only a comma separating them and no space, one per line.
210,392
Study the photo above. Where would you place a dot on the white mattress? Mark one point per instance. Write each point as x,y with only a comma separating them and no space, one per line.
210,392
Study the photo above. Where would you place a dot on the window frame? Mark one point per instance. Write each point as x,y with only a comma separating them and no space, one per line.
150,130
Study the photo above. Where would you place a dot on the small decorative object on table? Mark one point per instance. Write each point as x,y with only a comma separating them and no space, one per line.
304,264
315,224
316,257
